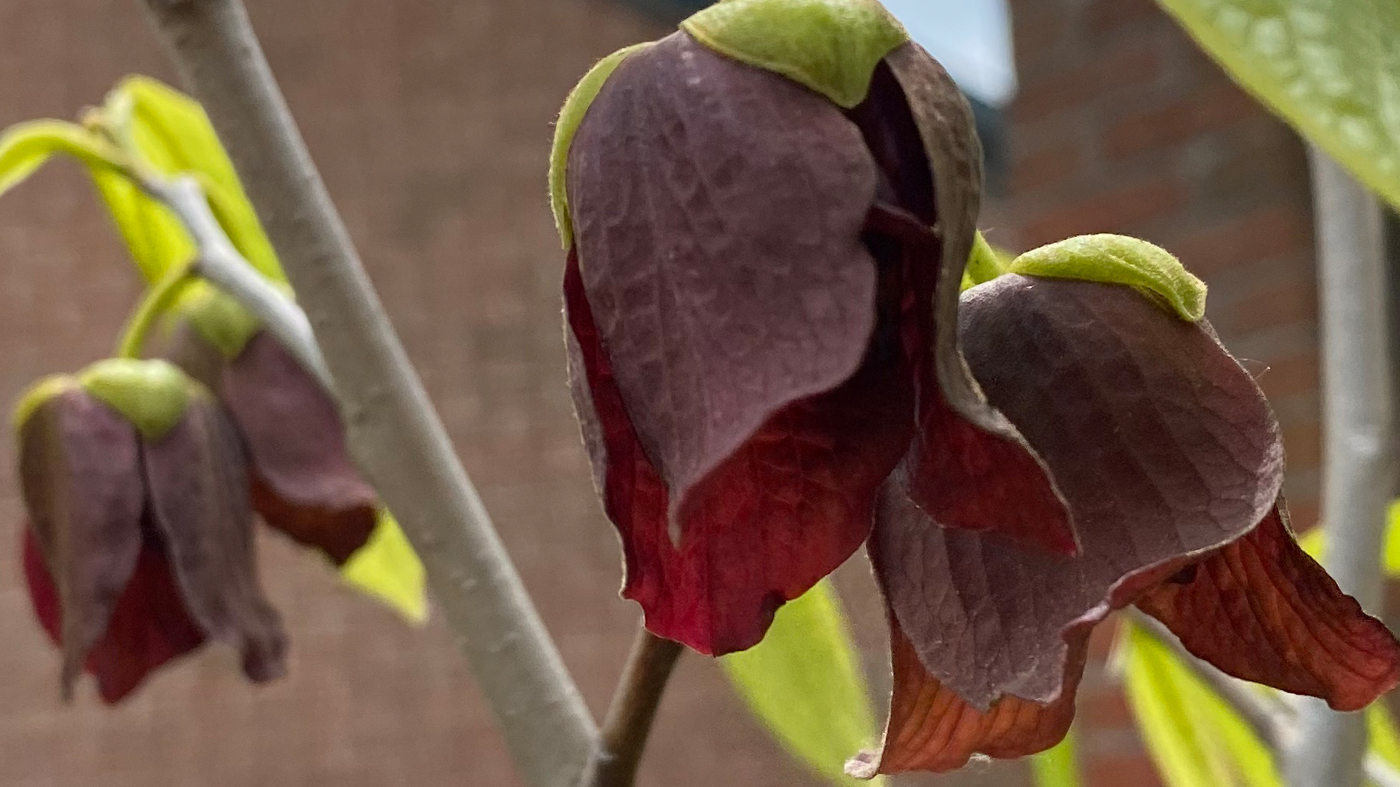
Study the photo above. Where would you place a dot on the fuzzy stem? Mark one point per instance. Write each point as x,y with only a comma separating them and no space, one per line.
633,708
155,303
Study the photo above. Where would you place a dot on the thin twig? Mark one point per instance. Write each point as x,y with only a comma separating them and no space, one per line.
221,264
1274,721
1359,419
393,432
628,723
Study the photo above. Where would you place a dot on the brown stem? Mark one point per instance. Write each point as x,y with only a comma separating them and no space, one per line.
628,723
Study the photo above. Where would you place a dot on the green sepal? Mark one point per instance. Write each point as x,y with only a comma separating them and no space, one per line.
830,46
152,394
39,394
219,319
1117,259
570,116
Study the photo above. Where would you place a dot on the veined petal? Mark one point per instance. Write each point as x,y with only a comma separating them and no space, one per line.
80,475
717,210
784,510
148,625
303,481
1162,444
1263,610
931,728
199,501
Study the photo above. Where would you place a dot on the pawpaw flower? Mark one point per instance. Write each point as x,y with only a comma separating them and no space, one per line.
303,481
1171,462
766,236
139,544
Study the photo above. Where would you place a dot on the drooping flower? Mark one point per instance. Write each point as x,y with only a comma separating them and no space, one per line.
766,237
139,544
1171,462
303,481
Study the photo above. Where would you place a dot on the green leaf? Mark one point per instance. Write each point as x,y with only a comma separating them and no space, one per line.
986,262
830,46
1385,738
1118,259
1058,767
1195,739
172,134
1331,68
26,147
388,569
804,681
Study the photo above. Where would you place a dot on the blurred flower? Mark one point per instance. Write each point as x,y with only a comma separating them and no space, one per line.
139,544
303,482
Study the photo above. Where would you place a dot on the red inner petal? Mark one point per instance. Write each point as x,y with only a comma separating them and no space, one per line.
149,626
932,729
1263,610
777,515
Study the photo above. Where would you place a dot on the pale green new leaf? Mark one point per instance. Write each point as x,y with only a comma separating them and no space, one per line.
1194,738
388,569
25,147
172,134
1331,68
1059,766
804,681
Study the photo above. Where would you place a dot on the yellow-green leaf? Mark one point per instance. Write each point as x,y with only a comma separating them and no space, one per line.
388,569
1194,738
830,46
172,135
1059,766
1331,68
804,681
1119,259
25,147
1385,738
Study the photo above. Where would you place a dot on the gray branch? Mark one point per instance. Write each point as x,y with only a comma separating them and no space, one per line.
1359,426
394,433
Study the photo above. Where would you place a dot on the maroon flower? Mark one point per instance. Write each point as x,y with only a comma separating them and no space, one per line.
762,326
1171,462
139,545
303,481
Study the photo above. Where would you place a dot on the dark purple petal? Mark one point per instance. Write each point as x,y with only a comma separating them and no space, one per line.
80,475
198,486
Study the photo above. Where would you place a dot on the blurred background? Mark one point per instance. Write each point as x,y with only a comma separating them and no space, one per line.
431,121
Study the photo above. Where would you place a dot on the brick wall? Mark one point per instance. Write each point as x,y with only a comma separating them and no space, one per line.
430,119
1123,125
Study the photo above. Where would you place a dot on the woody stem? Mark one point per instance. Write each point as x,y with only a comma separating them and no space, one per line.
156,302
626,727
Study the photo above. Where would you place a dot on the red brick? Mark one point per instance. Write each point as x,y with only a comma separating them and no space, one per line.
1303,513
1129,770
1179,121
1272,305
1110,211
1041,95
1045,166
1261,233
1105,709
1296,374
1105,17
1302,445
